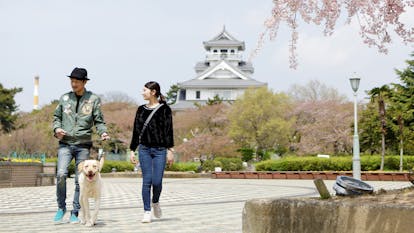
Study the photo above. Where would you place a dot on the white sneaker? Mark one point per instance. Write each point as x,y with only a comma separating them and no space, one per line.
157,210
147,217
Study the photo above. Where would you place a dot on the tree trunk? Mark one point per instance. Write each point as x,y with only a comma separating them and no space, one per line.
401,154
383,123
382,152
401,124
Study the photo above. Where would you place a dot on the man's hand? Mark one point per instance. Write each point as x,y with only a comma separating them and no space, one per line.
60,133
105,136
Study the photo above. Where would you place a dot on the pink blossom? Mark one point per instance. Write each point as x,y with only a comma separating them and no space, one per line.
375,18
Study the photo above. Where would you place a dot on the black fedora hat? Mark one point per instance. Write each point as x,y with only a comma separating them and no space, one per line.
79,73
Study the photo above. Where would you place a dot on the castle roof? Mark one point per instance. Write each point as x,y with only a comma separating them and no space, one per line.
225,40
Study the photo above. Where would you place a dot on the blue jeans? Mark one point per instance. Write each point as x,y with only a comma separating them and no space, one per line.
65,155
152,161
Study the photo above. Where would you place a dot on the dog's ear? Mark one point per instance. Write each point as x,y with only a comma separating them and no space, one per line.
80,166
101,163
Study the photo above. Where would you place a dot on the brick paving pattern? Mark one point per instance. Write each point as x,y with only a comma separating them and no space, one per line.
196,205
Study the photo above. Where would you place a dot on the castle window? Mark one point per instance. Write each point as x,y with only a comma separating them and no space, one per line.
223,51
215,51
197,94
232,51
182,94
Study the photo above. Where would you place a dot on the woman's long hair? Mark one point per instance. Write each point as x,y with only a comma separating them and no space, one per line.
152,85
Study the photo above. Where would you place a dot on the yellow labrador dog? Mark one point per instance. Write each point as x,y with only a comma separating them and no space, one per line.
90,187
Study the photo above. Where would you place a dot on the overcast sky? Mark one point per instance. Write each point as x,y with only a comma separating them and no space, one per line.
125,43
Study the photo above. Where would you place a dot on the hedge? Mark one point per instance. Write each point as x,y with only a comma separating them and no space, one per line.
226,164
120,166
183,167
368,163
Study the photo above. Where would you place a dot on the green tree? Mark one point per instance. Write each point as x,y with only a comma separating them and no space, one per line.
370,129
172,94
402,106
379,95
8,108
215,100
259,119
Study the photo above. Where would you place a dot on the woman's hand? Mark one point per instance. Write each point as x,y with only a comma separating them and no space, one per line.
132,157
170,156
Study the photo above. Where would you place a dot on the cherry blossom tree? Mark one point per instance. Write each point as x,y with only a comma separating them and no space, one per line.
375,18
205,132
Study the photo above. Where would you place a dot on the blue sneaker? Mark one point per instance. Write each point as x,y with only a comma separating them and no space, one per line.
59,216
74,219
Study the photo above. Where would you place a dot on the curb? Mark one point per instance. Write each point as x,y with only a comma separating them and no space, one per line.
310,175
302,175
167,174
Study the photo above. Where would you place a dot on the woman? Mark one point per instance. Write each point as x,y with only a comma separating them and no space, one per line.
152,141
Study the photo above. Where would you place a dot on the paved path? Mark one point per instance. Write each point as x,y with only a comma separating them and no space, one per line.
197,205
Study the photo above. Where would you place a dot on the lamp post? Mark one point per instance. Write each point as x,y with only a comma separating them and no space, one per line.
356,161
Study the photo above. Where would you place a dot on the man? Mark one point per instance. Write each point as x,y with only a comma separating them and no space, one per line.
74,118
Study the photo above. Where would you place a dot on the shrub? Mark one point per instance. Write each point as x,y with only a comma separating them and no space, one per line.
20,160
183,167
120,166
368,163
209,165
226,164
247,154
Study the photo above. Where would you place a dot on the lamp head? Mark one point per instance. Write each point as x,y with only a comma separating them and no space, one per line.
354,83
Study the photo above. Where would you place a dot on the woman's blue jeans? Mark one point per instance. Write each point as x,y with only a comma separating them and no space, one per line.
65,155
152,161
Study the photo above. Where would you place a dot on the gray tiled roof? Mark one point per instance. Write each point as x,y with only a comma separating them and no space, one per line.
221,83
241,73
246,67
217,41
201,66
182,105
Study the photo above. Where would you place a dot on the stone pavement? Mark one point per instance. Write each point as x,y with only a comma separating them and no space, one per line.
195,205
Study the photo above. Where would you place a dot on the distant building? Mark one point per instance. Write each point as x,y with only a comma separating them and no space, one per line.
36,94
222,73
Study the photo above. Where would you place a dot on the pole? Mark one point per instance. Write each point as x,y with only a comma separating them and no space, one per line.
356,161
36,94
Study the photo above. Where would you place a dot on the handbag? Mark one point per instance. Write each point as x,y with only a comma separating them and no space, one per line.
147,121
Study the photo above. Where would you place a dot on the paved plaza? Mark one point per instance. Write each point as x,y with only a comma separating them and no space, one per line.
190,205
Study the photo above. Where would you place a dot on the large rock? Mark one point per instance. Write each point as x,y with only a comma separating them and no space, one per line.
326,216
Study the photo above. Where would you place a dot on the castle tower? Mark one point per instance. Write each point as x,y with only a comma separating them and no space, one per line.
36,94
223,74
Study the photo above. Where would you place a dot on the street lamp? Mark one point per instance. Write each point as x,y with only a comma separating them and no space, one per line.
356,161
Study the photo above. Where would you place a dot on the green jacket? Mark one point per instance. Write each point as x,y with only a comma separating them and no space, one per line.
78,126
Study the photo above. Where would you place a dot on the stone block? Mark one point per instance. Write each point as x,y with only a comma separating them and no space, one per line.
324,216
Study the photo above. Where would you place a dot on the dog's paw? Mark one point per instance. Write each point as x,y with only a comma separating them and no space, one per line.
89,224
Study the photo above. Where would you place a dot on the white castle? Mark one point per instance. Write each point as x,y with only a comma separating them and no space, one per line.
223,73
